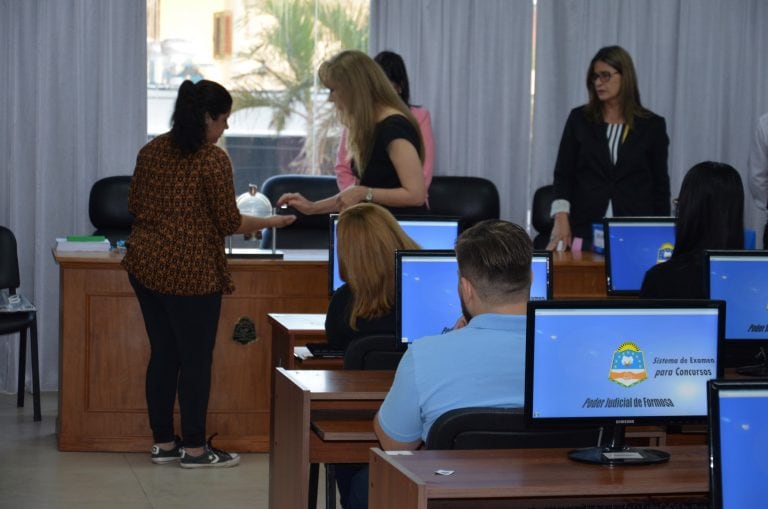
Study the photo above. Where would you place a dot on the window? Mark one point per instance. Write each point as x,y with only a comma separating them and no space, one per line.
266,52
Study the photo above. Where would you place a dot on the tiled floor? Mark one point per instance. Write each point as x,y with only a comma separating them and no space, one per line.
34,474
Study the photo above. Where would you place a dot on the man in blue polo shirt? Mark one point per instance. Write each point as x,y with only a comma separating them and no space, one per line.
481,364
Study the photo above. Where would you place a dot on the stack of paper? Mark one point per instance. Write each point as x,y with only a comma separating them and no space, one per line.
83,243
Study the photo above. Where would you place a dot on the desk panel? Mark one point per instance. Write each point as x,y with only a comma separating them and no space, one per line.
531,475
104,352
301,396
579,275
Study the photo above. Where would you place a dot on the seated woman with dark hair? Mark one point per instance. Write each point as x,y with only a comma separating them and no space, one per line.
710,215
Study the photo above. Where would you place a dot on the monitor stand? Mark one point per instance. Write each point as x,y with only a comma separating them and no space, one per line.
617,453
757,370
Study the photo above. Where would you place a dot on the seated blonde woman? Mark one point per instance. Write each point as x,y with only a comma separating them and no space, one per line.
368,236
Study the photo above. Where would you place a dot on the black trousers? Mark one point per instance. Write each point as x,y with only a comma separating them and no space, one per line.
182,333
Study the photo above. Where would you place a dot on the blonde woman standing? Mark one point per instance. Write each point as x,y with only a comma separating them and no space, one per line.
384,140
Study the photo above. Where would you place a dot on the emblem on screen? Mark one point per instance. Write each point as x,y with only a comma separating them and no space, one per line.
628,365
665,252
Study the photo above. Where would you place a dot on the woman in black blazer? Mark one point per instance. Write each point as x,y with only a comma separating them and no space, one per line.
613,154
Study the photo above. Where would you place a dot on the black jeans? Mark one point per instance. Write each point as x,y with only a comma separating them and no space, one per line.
182,333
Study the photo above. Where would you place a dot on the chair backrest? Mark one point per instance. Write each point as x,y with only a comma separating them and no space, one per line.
307,232
501,428
381,351
473,199
108,207
9,261
540,215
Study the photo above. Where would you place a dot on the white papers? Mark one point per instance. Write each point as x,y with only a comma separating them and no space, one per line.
302,352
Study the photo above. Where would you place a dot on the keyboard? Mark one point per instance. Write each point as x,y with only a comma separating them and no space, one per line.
323,350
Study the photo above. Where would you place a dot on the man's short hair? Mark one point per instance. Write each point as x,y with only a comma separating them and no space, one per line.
495,256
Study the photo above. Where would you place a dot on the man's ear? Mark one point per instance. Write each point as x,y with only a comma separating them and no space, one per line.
466,289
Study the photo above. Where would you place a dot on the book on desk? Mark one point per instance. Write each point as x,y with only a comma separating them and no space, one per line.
73,243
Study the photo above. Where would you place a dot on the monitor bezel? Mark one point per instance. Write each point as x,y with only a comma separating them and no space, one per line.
419,253
737,352
332,236
607,221
713,420
596,421
550,270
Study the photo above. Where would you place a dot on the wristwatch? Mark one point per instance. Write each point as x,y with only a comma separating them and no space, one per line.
369,195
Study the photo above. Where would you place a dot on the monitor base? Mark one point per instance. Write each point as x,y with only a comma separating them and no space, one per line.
616,457
246,252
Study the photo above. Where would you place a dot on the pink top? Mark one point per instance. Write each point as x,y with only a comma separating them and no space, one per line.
344,175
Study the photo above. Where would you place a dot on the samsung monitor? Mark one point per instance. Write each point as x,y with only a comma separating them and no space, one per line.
427,290
738,441
632,246
614,363
429,232
740,278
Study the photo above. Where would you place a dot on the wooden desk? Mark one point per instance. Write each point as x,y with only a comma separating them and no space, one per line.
578,275
530,478
347,398
104,351
293,329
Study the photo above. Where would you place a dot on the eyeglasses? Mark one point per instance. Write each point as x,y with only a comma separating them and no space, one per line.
604,76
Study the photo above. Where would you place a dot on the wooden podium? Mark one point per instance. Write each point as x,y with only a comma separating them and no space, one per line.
104,351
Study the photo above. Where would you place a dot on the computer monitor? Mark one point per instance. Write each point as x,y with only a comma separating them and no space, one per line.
427,295
614,363
542,284
632,246
740,278
429,232
738,440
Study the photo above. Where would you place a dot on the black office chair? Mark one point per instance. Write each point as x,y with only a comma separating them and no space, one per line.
20,321
540,215
501,428
472,199
307,232
381,351
108,207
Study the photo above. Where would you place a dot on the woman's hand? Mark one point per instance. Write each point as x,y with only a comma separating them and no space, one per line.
252,225
297,201
278,221
561,231
351,196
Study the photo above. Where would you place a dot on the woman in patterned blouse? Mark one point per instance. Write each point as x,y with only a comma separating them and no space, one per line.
183,198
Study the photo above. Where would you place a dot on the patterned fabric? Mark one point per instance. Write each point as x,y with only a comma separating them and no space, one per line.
184,206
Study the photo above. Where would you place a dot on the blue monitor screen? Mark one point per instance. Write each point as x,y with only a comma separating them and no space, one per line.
428,233
599,362
741,280
739,424
541,286
427,291
632,246
428,294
